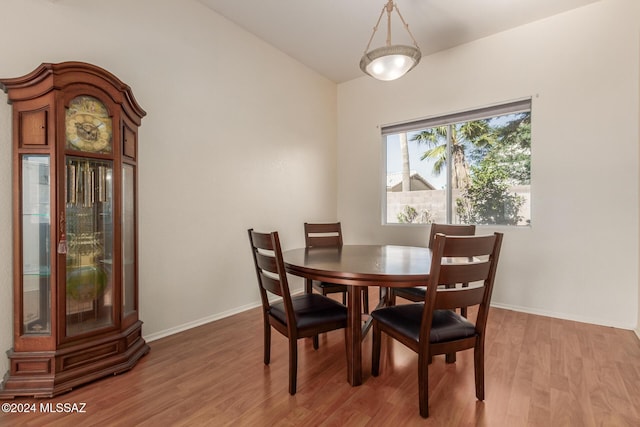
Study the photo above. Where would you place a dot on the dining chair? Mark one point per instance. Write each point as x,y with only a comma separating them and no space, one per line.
301,316
416,294
328,235
432,326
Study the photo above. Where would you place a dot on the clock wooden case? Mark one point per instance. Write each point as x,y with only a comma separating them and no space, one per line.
75,260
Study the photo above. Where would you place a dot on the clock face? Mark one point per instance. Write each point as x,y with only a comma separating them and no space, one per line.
88,126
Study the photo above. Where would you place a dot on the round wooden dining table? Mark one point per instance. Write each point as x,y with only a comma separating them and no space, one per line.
358,266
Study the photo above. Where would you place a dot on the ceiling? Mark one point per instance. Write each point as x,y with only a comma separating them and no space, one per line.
330,36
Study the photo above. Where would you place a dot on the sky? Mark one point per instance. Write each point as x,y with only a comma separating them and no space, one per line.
423,167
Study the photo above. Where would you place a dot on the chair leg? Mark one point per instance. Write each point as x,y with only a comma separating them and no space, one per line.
375,351
308,288
365,299
316,342
344,298
383,291
423,384
478,361
267,343
293,365
391,297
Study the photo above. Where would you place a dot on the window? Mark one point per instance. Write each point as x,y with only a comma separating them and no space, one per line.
472,167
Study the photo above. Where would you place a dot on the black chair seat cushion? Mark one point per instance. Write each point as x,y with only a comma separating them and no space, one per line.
447,325
416,291
330,285
311,310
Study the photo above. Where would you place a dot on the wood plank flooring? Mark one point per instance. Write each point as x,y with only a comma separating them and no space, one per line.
539,372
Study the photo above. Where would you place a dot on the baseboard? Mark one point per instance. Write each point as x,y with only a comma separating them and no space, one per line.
565,316
199,322
222,315
208,319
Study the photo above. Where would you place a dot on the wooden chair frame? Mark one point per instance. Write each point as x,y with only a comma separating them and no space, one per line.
484,252
414,294
272,278
328,235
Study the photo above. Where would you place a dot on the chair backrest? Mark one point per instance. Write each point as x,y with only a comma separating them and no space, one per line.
319,235
450,230
270,271
461,259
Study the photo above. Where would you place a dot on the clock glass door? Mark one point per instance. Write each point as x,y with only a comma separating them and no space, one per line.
89,233
129,303
36,259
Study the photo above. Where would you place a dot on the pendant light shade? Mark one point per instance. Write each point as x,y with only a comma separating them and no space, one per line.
390,62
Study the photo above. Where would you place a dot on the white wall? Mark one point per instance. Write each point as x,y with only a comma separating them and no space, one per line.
579,259
6,254
237,135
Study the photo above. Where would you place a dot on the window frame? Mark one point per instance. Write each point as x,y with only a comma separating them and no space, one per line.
522,105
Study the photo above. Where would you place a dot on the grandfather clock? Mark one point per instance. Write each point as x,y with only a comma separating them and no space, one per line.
75,272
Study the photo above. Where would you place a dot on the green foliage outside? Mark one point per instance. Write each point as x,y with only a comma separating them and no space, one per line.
487,200
489,156
410,215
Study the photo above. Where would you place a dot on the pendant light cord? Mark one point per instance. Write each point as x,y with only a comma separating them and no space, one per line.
375,28
406,26
389,8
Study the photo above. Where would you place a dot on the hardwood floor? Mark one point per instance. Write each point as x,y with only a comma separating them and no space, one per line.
569,374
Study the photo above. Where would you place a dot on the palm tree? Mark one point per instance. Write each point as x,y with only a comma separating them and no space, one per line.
406,170
476,133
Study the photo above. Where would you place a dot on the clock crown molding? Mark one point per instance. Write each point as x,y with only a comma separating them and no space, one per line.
56,76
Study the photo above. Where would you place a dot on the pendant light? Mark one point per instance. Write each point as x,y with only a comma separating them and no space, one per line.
390,62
